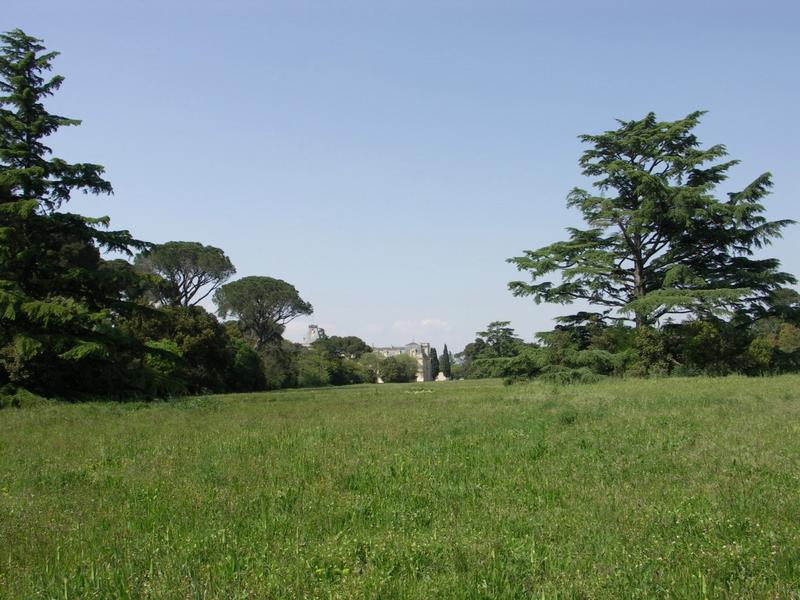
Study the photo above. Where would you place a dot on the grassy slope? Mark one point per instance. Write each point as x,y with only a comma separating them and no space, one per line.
679,488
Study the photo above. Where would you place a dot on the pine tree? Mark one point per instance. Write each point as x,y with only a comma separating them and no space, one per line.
187,271
444,365
59,300
263,307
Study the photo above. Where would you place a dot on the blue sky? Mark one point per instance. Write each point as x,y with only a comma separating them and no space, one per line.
387,157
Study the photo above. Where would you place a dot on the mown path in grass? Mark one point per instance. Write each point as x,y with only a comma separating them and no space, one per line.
684,488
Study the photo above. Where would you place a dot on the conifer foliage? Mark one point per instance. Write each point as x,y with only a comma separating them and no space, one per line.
59,299
435,365
658,241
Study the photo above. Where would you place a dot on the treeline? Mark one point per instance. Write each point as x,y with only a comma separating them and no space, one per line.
670,273
585,347
76,325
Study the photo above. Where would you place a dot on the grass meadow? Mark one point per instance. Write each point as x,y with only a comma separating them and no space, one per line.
679,488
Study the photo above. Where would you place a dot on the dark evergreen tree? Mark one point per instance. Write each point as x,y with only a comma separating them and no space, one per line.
444,365
59,300
499,340
201,342
658,241
435,366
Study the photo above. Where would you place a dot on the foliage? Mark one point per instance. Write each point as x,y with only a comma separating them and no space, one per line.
13,397
279,362
775,347
488,355
500,339
263,307
246,373
563,375
345,347
435,366
528,363
712,346
166,365
398,369
659,243
342,362
345,371
211,361
457,371
482,368
60,302
371,363
313,369
445,362
188,271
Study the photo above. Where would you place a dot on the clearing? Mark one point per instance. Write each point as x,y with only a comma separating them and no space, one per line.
684,488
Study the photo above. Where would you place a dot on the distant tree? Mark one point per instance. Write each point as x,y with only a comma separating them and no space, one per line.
189,271
246,374
488,354
280,362
398,369
313,368
657,241
336,361
445,367
434,363
348,347
371,361
499,340
263,307
345,371
60,301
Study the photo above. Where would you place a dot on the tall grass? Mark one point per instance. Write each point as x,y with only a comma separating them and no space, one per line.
685,488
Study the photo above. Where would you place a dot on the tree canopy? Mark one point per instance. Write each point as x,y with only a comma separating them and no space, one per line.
262,305
398,369
189,271
658,242
499,339
486,356
342,346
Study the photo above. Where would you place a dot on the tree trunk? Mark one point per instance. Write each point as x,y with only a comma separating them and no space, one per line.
639,290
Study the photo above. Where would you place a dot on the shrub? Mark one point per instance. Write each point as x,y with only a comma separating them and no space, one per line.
167,369
481,368
528,363
246,374
562,375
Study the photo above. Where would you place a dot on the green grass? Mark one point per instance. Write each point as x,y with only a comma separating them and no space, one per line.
685,488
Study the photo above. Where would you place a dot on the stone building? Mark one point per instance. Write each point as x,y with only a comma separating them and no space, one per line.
420,352
312,335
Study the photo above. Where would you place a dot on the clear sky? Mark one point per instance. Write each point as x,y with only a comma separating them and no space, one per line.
387,157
